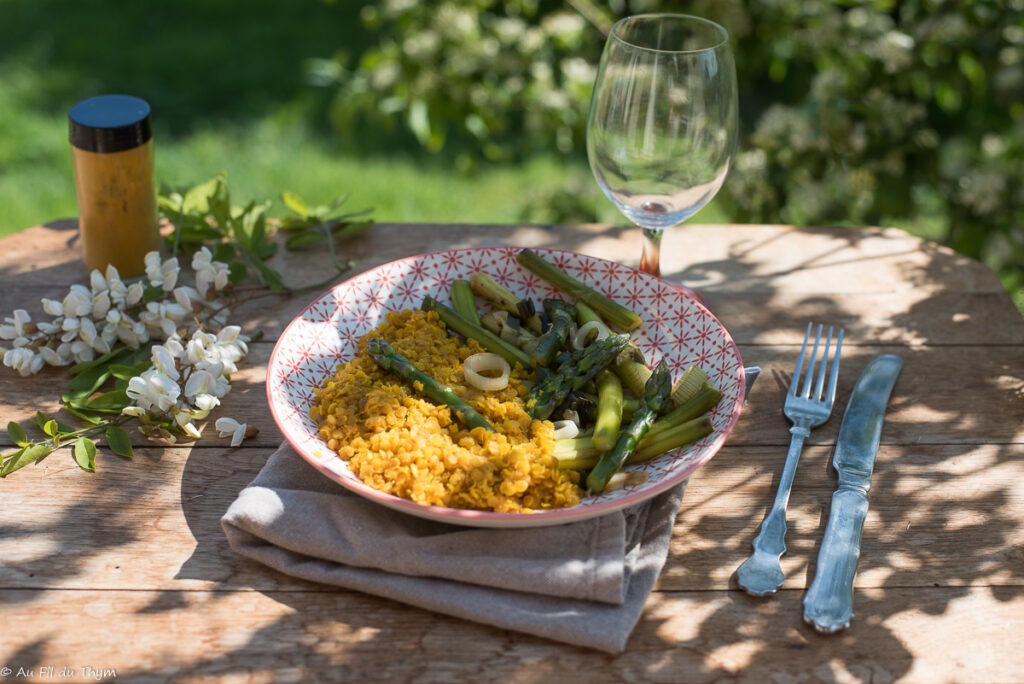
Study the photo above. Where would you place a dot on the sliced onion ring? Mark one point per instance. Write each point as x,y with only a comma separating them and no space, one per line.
566,429
476,365
584,332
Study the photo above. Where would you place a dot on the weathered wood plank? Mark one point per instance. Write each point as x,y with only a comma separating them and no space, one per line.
760,258
340,636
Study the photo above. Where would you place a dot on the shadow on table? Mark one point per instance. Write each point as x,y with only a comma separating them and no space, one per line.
957,539
957,531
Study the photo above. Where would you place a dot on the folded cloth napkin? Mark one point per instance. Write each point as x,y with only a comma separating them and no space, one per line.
583,583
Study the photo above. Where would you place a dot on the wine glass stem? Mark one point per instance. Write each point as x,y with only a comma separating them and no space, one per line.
650,259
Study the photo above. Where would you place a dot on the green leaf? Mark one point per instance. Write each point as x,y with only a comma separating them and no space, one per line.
101,362
197,199
17,460
295,203
120,442
16,433
41,421
85,454
51,428
223,252
239,272
88,381
83,414
127,372
110,402
270,277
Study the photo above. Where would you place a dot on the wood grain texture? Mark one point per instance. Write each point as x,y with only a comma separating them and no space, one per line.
128,569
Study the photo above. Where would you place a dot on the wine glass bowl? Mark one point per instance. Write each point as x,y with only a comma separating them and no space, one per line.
663,120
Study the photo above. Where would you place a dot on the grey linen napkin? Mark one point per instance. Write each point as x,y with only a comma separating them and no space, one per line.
583,583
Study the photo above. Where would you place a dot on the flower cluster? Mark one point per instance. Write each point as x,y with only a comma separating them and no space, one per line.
193,350
186,380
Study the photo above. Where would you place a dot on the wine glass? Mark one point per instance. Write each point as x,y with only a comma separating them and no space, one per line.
662,126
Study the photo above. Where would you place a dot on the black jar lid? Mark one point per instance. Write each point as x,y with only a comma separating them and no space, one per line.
109,123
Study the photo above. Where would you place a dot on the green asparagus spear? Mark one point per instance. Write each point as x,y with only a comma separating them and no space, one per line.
574,372
609,410
585,313
486,338
486,287
554,339
463,302
389,359
706,398
614,313
688,385
579,453
656,394
631,367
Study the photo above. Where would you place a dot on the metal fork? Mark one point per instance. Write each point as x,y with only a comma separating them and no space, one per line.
806,408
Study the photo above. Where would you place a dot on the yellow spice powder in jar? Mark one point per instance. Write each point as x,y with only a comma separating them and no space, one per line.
112,150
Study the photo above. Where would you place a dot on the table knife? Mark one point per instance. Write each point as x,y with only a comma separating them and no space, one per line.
828,604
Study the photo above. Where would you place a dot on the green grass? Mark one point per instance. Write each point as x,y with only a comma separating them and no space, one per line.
227,85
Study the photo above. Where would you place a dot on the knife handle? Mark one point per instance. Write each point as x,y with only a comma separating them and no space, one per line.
828,604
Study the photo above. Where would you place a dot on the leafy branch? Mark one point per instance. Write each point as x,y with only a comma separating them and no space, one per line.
153,350
244,237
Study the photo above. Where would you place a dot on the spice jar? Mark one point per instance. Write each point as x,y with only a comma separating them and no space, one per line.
112,151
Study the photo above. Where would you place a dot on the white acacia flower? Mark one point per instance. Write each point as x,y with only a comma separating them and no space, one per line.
135,293
52,307
163,360
207,381
52,357
101,304
225,348
209,272
90,336
87,331
15,326
153,391
23,360
82,352
131,333
185,296
77,302
163,317
205,402
70,326
184,421
98,282
229,427
48,328
162,274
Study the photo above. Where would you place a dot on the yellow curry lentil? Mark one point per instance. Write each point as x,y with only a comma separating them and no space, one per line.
398,442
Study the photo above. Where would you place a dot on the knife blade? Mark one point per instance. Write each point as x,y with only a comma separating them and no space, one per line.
828,604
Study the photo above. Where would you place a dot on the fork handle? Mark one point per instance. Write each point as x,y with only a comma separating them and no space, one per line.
828,604
772,537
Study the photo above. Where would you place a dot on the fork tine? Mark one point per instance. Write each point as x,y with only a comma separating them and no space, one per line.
805,391
800,362
834,375
819,382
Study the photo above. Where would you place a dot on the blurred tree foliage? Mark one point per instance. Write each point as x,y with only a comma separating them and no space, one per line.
855,111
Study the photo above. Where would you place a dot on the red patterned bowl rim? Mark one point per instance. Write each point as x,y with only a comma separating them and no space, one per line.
676,328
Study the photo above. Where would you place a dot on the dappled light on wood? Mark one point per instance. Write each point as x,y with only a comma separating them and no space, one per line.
136,549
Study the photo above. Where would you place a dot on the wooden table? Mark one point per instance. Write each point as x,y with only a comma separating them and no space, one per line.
127,570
